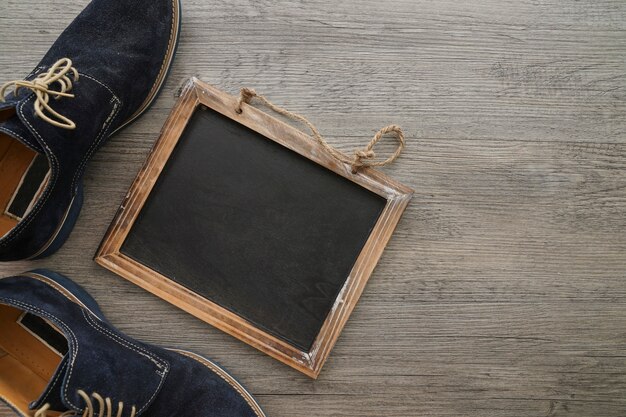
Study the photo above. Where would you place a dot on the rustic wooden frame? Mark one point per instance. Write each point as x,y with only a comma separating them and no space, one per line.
197,93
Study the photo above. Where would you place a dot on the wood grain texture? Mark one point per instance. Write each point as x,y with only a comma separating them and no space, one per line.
503,290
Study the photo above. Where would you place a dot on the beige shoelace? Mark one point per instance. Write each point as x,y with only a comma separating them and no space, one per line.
58,73
105,406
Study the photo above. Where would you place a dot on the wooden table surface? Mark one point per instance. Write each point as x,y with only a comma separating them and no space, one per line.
503,291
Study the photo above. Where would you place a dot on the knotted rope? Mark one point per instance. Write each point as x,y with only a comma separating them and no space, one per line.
362,157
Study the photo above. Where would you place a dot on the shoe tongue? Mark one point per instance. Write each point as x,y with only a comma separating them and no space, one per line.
15,128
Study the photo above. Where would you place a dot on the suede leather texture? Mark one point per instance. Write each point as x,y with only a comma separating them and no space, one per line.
157,381
119,48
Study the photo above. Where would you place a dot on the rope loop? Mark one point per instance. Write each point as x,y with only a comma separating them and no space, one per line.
364,157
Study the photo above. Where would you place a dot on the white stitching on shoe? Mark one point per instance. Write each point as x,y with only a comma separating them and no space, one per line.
58,287
11,132
105,127
35,71
75,343
73,339
91,77
160,363
13,234
61,74
51,385
55,170
104,405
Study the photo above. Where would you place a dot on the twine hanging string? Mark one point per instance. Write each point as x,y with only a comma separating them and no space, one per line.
362,157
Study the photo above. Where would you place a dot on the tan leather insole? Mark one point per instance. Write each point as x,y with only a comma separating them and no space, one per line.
26,363
15,159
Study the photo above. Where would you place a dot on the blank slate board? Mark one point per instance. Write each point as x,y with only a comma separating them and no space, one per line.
262,233
254,227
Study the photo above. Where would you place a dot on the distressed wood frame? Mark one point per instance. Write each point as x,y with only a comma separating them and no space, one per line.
195,93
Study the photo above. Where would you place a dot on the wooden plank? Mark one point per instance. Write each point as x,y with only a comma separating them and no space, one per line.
502,293
508,70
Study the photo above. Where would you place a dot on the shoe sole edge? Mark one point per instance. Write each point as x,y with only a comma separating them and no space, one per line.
228,378
165,68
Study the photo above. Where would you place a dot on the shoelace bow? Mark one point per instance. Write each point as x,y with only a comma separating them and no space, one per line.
58,73
105,406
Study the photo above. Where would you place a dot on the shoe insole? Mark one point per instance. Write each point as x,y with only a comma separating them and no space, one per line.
31,349
23,176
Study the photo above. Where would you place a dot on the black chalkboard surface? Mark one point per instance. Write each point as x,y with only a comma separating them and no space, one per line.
253,226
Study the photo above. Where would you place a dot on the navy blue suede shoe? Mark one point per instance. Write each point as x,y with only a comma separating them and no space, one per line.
59,354
102,73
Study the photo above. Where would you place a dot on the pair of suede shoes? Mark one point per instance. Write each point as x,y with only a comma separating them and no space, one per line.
58,354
